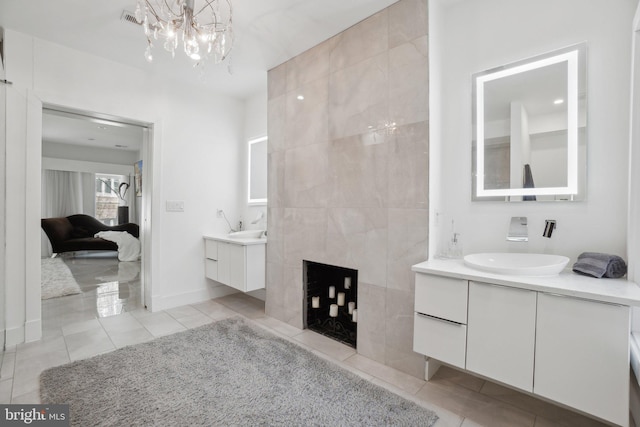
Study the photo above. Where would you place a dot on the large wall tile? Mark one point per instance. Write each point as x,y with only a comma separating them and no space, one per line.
357,238
364,40
275,179
307,119
408,19
409,82
358,173
358,97
308,66
304,235
407,245
276,123
277,81
399,334
307,175
371,321
408,169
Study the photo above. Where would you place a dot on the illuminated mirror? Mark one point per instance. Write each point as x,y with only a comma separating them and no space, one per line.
530,129
258,171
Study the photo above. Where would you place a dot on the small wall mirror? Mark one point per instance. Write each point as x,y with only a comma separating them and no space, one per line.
530,127
258,171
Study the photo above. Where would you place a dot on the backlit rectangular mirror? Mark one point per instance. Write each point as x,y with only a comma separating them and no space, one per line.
530,129
257,171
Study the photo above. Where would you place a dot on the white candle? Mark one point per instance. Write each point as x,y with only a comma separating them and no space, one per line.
352,306
315,302
347,282
332,291
333,310
354,315
341,298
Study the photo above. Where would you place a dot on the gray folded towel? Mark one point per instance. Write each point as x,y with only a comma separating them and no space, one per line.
600,265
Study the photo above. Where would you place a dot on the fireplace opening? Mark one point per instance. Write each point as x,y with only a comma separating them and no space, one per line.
331,303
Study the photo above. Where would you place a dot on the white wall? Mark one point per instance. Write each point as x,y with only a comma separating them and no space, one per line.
469,36
255,126
196,139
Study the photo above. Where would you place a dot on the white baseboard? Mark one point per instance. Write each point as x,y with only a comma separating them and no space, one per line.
194,297
14,336
33,330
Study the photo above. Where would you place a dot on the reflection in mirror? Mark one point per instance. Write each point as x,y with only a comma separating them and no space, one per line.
258,171
530,129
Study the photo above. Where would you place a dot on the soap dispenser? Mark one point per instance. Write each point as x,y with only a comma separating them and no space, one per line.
455,243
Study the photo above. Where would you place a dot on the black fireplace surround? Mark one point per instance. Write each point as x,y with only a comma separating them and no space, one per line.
331,301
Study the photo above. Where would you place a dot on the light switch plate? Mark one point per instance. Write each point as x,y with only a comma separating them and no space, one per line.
175,206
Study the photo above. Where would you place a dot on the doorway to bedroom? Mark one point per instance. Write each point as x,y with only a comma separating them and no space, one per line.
92,181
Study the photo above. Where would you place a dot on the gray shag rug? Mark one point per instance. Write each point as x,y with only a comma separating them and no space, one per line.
228,373
56,279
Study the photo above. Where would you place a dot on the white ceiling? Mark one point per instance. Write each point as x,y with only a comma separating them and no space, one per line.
267,33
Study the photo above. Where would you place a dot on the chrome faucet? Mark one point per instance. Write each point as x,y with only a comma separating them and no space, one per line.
518,231
549,226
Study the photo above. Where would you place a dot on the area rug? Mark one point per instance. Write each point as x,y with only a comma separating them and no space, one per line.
56,279
228,373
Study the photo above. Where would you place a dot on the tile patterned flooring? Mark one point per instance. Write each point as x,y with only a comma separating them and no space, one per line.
109,315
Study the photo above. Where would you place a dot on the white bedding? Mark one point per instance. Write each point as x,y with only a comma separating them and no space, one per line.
128,246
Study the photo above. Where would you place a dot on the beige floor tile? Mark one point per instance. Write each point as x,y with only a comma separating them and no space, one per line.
183,311
215,310
130,337
399,379
32,397
8,366
196,320
122,323
160,324
5,391
244,304
460,378
325,345
40,348
83,345
561,416
279,326
475,406
82,326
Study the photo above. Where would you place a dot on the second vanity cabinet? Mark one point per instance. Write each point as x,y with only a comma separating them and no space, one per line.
566,344
501,333
239,263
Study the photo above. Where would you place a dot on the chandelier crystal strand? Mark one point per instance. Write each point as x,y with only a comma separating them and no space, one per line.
205,29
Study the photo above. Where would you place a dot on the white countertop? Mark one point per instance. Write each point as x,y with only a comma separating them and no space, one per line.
616,291
236,241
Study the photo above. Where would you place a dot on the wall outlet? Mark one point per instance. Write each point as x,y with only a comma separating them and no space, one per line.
219,213
175,206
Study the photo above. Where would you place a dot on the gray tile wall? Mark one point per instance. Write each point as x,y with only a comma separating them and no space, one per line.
342,194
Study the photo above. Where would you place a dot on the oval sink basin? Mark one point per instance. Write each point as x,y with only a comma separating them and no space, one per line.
246,234
518,264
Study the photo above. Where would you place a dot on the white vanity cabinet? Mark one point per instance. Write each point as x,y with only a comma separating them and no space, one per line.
239,263
582,355
565,338
440,319
501,333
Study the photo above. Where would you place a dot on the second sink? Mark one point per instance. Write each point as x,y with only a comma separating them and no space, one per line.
518,264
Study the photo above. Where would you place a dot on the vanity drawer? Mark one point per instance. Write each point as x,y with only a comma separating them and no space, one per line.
440,339
442,297
211,249
211,269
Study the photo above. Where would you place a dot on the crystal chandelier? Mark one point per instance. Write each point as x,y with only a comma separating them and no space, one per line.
205,30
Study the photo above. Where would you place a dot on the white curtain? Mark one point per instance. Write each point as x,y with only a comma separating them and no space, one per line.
66,193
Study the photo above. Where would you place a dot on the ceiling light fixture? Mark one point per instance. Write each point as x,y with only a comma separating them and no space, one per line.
205,30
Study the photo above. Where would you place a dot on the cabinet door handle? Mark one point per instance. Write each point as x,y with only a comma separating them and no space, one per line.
439,319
